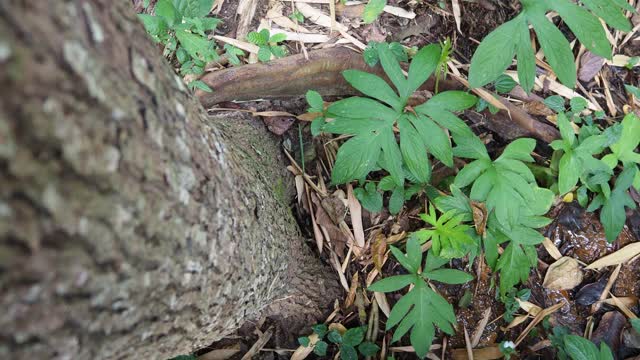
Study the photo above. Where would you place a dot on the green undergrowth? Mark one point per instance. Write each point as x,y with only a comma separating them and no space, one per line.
390,151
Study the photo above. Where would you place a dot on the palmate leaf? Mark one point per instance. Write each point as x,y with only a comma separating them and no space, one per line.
421,309
506,185
625,149
495,53
373,122
613,214
450,238
193,8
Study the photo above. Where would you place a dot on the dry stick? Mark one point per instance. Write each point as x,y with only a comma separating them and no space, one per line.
294,75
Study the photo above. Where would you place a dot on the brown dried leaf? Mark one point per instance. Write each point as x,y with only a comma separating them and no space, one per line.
479,217
379,250
351,296
564,274
619,257
590,65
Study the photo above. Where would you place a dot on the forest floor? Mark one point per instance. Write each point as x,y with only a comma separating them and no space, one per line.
334,223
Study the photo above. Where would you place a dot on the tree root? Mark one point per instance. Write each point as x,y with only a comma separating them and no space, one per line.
322,71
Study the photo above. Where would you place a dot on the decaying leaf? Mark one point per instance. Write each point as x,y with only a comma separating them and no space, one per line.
351,296
379,250
479,217
564,274
537,108
590,65
619,257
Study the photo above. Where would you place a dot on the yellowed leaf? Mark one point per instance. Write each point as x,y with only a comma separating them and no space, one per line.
619,257
564,274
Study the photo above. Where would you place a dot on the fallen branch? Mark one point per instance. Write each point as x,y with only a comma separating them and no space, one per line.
294,75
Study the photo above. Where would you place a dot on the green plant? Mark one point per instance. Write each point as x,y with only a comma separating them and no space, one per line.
350,343
297,16
449,237
181,26
496,51
371,57
268,44
371,122
232,54
372,10
578,348
507,348
514,202
511,304
421,309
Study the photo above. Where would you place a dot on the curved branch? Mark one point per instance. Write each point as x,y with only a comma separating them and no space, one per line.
322,71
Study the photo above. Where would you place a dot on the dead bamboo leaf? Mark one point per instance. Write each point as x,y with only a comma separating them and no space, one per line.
259,344
623,307
628,301
619,257
303,351
564,274
351,296
317,16
381,299
477,334
221,354
551,248
239,44
302,37
455,5
467,342
590,65
400,12
379,251
544,313
612,279
355,209
275,14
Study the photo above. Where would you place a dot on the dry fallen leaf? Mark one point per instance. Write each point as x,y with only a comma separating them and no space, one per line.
619,257
564,274
378,251
479,217
590,65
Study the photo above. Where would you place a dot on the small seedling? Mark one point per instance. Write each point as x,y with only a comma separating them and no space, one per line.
268,44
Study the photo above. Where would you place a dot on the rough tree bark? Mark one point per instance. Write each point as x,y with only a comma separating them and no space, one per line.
132,225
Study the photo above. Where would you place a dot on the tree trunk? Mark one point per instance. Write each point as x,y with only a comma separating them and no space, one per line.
132,225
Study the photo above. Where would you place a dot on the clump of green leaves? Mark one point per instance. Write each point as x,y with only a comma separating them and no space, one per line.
371,121
575,160
349,344
514,202
232,54
421,309
449,237
181,26
578,348
496,52
511,304
268,44
371,57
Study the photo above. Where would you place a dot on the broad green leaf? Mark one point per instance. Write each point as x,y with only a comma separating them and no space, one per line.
566,130
334,336
320,348
373,86
315,100
422,66
193,8
605,352
196,45
579,348
413,151
369,197
626,147
569,173
504,84
353,336
453,100
585,26
264,54
613,214
494,54
304,341
449,276
198,84
392,157
278,51
154,25
361,108
276,38
372,10
348,352
513,266
396,201
368,348
556,49
355,159
519,149
166,10
320,330
578,104
635,323
471,172
434,138
445,119
393,283
526,59
612,15
555,103
394,72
